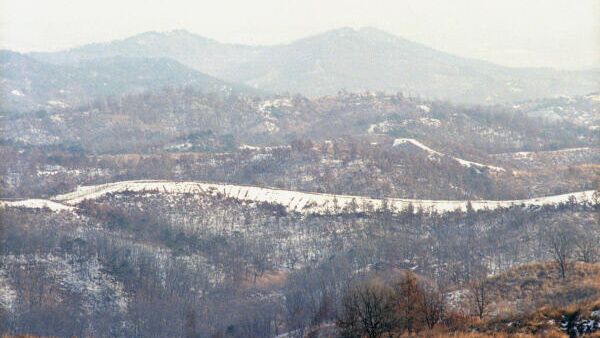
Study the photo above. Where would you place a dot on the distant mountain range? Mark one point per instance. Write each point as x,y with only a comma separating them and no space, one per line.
342,59
30,84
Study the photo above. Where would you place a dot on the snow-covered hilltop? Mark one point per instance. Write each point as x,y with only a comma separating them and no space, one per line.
306,202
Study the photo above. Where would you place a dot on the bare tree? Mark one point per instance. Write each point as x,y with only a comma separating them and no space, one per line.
368,309
587,244
432,305
560,242
479,296
409,300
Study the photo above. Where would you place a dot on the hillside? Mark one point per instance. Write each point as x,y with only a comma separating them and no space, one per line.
354,60
28,84
351,144
261,173
533,299
119,256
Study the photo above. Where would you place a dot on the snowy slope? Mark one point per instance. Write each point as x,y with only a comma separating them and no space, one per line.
434,153
304,202
523,154
36,204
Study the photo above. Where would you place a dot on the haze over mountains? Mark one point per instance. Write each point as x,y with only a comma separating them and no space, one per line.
168,185
342,59
29,84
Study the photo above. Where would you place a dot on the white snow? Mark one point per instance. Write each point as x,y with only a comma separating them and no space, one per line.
523,154
35,204
257,148
457,298
266,107
594,97
56,118
428,121
433,154
248,147
8,295
306,202
267,104
87,278
424,108
58,104
16,92
381,127
271,127
387,126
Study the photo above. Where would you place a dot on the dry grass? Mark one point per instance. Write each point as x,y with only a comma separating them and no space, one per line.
532,299
533,286
487,335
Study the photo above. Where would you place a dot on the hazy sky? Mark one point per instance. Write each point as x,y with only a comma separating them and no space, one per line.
555,33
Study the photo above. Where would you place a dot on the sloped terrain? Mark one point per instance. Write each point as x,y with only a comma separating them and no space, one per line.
355,60
140,197
31,85
353,144
228,258
534,299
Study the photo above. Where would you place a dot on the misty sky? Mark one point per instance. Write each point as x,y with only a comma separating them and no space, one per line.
554,33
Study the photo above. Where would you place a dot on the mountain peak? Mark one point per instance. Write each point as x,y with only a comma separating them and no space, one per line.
176,34
364,33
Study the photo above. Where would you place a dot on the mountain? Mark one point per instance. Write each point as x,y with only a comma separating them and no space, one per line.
354,60
28,83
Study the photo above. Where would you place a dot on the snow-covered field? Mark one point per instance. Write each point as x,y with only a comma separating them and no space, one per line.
36,204
305,202
433,153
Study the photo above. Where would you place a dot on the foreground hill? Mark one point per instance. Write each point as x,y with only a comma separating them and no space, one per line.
240,268
29,84
355,60
534,299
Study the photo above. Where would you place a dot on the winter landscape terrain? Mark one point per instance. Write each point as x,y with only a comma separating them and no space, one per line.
350,183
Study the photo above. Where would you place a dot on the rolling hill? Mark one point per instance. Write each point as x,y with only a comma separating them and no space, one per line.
354,60
29,84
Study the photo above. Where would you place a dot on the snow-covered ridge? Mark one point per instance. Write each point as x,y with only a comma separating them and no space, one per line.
521,154
35,204
306,202
434,153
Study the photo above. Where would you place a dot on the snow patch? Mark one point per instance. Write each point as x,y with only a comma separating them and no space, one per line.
59,104
271,127
381,127
424,108
86,278
35,204
16,92
433,154
525,154
594,97
428,121
8,295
